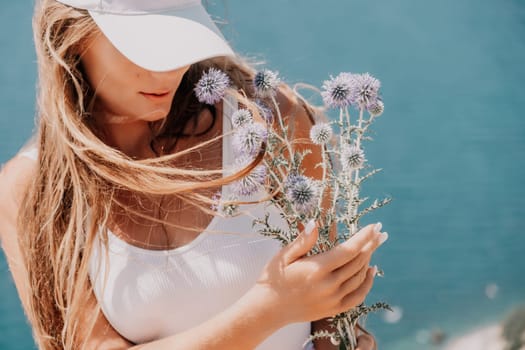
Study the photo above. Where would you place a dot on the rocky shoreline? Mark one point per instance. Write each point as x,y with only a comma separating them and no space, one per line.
483,338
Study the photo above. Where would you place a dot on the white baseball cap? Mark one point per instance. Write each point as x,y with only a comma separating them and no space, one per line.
158,35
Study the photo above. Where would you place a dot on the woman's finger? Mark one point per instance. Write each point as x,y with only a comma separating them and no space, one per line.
349,269
365,342
302,244
346,251
358,296
353,282
344,273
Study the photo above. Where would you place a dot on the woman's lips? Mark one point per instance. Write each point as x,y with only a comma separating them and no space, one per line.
155,96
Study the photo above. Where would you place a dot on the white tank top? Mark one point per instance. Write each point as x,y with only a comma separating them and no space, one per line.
152,294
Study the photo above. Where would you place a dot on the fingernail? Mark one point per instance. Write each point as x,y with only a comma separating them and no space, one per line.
383,238
377,227
309,227
374,270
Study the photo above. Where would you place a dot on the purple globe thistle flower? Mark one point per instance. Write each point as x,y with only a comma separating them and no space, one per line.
376,108
321,133
212,86
248,139
352,157
365,89
337,92
265,111
251,183
266,83
241,117
303,193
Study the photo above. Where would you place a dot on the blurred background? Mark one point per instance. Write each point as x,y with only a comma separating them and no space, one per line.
451,143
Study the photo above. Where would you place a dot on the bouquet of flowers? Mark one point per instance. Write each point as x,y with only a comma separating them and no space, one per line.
299,197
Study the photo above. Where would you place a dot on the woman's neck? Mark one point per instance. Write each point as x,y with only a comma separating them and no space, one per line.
133,139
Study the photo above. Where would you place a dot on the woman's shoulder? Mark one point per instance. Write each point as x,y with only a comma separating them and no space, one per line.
295,111
15,176
20,168
286,98
293,105
301,116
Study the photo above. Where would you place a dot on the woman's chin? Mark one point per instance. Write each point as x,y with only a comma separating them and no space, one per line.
155,115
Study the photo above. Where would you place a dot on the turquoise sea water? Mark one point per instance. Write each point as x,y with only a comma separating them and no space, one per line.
451,141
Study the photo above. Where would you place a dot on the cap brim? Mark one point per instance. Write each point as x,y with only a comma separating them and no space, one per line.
164,41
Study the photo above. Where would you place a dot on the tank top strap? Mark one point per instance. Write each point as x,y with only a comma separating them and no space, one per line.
230,105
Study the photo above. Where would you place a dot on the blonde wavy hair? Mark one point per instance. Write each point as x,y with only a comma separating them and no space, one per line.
67,201
78,172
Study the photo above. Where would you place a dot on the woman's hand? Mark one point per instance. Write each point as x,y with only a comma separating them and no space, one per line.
303,288
366,342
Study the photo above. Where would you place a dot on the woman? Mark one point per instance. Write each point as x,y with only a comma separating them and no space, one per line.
105,221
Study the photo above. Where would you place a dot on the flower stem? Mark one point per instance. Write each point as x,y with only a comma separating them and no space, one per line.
355,194
281,124
324,150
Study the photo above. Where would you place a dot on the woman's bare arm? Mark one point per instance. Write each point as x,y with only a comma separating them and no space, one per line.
14,177
244,325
